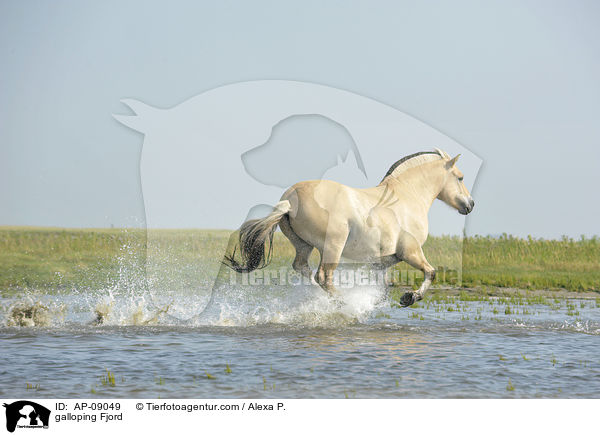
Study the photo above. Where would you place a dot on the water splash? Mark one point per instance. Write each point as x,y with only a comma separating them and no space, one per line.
136,297
29,312
300,306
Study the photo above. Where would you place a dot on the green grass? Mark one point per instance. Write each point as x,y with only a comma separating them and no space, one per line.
47,258
532,263
54,258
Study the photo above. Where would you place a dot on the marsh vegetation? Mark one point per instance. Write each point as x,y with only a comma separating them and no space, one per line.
51,258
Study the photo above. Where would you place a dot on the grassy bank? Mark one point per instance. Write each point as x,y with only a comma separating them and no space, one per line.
50,258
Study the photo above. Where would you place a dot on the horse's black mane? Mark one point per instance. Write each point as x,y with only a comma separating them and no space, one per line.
403,159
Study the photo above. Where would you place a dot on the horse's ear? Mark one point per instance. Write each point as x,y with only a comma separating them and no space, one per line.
144,115
450,163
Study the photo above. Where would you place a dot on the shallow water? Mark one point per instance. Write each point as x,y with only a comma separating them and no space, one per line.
299,344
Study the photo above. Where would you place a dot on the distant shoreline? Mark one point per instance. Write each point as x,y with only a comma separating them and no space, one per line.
41,258
229,230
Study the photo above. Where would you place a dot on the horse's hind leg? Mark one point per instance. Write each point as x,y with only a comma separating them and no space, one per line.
324,275
303,249
330,258
409,250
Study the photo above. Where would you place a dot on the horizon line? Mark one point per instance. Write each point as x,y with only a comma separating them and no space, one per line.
125,228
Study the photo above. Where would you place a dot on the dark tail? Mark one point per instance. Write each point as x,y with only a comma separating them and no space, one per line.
253,236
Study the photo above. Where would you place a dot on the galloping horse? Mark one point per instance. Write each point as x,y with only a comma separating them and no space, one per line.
381,225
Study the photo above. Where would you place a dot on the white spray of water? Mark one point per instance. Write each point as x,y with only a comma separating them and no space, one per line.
296,306
132,300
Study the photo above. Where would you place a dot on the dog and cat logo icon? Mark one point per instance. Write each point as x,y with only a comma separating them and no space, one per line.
26,414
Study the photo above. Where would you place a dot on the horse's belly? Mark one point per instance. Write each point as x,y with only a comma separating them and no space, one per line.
368,246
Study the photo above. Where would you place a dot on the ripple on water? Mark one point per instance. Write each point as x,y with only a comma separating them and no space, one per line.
302,346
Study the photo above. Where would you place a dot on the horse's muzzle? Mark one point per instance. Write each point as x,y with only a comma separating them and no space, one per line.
467,208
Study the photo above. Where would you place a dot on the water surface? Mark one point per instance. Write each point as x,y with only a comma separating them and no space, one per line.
303,347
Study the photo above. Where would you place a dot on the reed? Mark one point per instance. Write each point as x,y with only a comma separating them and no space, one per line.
510,386
108,379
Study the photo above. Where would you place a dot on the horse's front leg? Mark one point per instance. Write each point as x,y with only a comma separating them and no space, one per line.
409,250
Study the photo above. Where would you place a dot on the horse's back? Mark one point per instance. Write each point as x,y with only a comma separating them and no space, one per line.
324,209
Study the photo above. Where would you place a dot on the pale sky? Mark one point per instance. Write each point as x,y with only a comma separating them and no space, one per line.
515,82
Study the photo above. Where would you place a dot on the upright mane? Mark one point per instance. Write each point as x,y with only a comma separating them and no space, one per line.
413,160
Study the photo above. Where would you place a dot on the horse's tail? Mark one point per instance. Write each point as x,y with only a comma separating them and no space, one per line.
252,238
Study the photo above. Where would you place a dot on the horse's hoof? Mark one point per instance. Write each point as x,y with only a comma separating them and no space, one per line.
408,299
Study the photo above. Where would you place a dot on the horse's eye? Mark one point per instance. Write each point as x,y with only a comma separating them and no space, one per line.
460,178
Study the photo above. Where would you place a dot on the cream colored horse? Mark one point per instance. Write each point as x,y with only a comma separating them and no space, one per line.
382,225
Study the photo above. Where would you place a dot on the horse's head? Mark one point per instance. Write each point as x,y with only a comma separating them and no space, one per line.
455,193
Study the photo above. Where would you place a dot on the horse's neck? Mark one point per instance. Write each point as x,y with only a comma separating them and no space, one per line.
418,184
